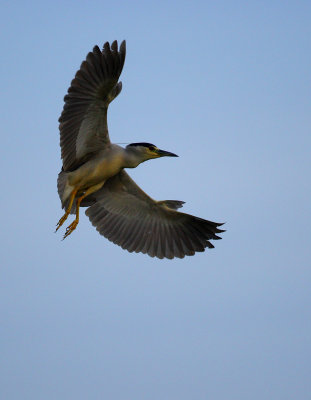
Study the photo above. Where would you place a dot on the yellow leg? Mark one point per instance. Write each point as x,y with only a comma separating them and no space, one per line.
74,224
65,216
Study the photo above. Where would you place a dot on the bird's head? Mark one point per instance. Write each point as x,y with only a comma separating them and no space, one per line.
146,151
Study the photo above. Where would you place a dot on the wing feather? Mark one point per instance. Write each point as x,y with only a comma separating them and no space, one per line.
127,216
83,122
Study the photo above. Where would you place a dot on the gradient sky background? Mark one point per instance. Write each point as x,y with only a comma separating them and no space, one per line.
226,86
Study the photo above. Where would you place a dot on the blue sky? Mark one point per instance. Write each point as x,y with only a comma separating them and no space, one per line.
226,86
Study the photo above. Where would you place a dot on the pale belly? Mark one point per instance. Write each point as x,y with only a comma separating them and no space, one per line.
95,172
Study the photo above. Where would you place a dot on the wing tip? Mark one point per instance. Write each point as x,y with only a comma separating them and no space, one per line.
113,46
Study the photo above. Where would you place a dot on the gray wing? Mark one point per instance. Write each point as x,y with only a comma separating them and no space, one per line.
83,122
128,217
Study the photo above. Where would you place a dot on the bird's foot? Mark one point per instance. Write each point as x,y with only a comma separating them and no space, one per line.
61,221
71,228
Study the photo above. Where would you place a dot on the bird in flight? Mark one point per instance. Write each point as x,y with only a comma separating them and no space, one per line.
93,173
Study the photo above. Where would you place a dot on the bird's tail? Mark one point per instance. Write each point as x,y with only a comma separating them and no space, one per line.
64,189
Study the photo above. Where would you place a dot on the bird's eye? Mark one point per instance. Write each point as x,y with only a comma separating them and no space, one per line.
151,148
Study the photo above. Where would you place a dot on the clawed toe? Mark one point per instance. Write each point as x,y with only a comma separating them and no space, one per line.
61,221
70,228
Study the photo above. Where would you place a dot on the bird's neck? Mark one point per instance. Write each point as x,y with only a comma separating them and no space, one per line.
131,158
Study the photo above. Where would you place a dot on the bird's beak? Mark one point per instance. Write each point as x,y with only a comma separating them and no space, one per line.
163,153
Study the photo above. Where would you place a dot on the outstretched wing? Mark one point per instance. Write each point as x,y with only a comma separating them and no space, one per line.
128,217
83,122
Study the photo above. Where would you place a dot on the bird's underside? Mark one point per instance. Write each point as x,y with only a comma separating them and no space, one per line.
93,172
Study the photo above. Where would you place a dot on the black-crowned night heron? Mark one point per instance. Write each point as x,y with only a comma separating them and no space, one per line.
93,172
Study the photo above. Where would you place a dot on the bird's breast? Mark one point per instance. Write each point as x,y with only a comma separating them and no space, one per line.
95,171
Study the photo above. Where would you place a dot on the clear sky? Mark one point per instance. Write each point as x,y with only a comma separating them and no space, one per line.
226,86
